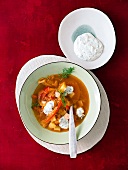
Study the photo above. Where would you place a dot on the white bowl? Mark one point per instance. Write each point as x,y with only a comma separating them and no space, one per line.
97,23
27,114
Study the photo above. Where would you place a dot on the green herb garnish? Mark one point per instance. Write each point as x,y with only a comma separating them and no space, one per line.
35,105
63,100
62,96
66,72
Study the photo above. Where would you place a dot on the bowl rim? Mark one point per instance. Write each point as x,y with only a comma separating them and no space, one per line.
66,131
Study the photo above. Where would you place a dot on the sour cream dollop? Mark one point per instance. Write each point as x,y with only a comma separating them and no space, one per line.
48,107
64,124
87,47
80,112
69,90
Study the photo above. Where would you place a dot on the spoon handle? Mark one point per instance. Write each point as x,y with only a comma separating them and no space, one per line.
72,135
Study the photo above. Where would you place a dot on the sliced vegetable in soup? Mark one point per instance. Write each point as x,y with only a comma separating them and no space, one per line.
53,97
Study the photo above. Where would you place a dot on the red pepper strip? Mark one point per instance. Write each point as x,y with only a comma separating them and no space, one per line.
43,93
56,109
46,89
67,107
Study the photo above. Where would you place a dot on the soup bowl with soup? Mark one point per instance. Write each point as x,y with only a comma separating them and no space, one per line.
46,97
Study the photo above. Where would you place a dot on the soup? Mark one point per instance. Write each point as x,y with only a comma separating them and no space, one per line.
53,97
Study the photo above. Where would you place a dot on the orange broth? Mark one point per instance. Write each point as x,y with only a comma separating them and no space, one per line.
80,98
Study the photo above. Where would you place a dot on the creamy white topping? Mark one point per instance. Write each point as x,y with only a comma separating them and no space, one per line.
87,47
57,94
80,112
69,90
48,107
64,124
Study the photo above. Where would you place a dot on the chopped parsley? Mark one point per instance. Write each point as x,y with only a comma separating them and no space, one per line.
67,71
62,96
35,105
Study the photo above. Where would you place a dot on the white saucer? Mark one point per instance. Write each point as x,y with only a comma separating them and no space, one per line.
87,20
99,129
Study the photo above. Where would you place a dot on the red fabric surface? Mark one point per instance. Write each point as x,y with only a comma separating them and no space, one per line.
29,28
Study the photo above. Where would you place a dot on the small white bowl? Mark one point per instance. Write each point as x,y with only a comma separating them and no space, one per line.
93,21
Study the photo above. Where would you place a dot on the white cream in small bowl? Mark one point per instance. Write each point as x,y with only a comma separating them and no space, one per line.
87,47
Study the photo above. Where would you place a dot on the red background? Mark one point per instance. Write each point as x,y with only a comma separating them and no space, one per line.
29,28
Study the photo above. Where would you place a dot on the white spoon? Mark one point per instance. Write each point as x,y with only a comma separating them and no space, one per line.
72,135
